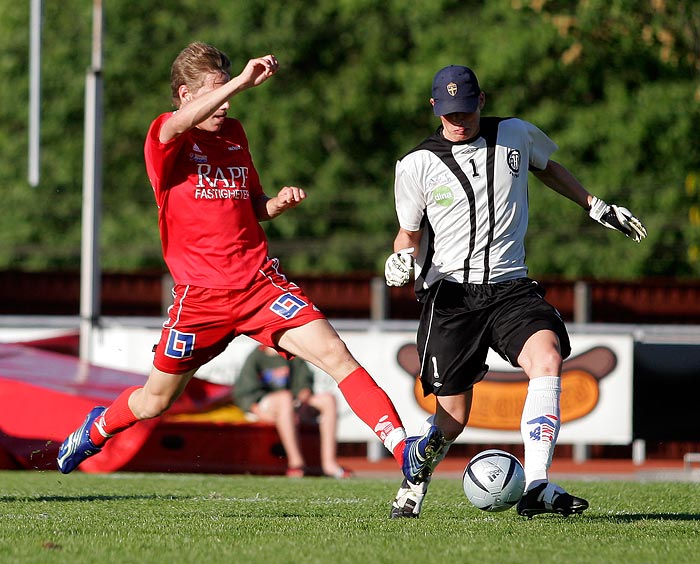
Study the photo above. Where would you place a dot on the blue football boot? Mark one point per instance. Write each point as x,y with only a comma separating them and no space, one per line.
421,454
78,446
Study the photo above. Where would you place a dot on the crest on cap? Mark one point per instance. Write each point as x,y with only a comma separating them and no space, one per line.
452,89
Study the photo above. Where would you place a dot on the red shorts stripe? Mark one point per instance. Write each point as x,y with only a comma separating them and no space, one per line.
203,321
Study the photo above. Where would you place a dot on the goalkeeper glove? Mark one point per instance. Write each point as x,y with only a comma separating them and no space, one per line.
397,269
616,217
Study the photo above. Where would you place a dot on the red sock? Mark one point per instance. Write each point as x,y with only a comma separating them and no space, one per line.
117,418
371,404
398,451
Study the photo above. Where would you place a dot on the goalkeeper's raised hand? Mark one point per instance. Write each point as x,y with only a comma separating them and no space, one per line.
616,217
397,269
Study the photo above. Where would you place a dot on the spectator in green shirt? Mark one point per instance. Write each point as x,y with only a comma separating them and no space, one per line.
280,391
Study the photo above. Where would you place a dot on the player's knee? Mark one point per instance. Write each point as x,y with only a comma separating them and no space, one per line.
150,405
334,351
548,363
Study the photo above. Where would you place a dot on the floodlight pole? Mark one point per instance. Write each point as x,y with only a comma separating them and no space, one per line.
34,93
90,271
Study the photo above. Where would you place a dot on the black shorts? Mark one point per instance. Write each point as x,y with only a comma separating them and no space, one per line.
460,322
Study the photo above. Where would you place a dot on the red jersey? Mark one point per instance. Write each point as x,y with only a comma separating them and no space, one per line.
204,184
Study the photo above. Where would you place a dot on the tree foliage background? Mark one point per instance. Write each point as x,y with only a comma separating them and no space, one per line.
616,83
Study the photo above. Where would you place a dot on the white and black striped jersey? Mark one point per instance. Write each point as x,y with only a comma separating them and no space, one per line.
470,198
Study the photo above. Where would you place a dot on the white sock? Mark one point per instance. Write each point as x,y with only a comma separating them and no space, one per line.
539,427
394,437
427,424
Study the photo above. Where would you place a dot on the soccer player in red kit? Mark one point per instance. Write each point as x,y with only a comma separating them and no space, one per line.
210,202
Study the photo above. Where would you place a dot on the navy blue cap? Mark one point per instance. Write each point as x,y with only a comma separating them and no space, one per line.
455,89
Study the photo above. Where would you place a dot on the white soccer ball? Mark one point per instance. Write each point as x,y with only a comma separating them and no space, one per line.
494,480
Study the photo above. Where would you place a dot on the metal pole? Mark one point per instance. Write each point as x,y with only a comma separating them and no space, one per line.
33,167
90,271
582,302
379,306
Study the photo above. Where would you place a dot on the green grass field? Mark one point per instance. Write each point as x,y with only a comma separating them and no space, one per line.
207,519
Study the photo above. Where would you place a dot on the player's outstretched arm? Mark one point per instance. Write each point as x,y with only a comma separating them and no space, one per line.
559,179
194,110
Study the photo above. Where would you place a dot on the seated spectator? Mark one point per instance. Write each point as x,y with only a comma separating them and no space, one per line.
281,391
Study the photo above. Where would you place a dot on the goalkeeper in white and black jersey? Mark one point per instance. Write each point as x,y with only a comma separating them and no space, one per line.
462,206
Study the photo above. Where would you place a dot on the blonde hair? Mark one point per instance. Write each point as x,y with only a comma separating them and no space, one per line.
193,64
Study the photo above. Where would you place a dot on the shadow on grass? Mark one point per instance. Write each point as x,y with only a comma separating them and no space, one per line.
82,498
634,517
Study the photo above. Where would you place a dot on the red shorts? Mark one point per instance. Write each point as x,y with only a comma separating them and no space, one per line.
203,321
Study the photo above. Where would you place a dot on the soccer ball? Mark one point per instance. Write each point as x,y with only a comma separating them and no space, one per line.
494,480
